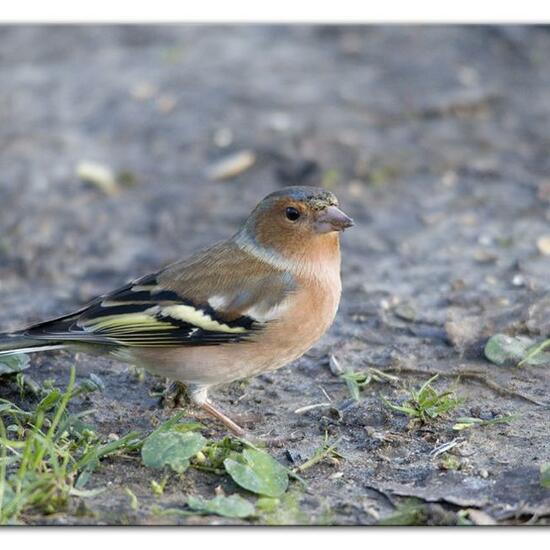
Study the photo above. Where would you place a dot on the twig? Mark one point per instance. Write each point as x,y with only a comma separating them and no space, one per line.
445,447
310,407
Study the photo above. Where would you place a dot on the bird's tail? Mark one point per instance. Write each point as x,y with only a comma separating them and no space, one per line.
12,344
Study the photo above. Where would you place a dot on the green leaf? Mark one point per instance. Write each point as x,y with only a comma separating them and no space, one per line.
233,506
399,408
410,512
13,364
257,472
465,422
502,349
545,475
187,427
171,449
535,355
91,384
49,401
267,504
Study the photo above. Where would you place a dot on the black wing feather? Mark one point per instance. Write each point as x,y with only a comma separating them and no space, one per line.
133,305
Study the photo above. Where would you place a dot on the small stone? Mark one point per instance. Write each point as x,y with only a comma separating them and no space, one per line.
543,192
143,91
469,219
468,76
484,256
538,317
458,284
543,244
294,456
99,175
518,280
352,43
232,165
463,330
485,240
166,104
223,137
479,517
433,218
280,122
355,188
335,366
405,312
449,178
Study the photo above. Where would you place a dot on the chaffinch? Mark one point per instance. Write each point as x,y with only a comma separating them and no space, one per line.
247,305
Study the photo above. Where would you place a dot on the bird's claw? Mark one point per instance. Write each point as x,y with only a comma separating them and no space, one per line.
175,396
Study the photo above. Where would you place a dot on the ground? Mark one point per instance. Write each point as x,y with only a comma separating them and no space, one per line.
435,139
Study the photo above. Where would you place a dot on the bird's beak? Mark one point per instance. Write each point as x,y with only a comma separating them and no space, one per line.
332,219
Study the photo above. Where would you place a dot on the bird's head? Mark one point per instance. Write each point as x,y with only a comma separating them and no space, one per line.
297,222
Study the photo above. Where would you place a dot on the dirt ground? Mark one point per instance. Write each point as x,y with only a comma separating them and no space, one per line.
435,140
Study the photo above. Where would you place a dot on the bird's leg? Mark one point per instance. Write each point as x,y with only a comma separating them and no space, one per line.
235,429
178,394
199,397
227,422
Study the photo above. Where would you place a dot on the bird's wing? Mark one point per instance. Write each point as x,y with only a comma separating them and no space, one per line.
219,296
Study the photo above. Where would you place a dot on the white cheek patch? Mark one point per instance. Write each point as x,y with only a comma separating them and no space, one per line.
198,318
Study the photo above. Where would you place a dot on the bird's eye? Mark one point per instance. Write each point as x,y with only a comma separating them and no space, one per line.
292,214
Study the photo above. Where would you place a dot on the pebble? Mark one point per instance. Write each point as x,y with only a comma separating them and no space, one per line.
335,366
479,517
449,178
99,175
232,165
166,104
518,280
485,240
468,76
280,122
543,244
405,312
543,192
223,137
484,256
355,188
143,91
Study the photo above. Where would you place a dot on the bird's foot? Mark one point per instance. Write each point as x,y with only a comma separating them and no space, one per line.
175,396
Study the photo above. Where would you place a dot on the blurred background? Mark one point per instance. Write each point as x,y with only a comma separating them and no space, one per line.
123,148
434,138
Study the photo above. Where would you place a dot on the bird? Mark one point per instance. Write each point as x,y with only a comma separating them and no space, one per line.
244,306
